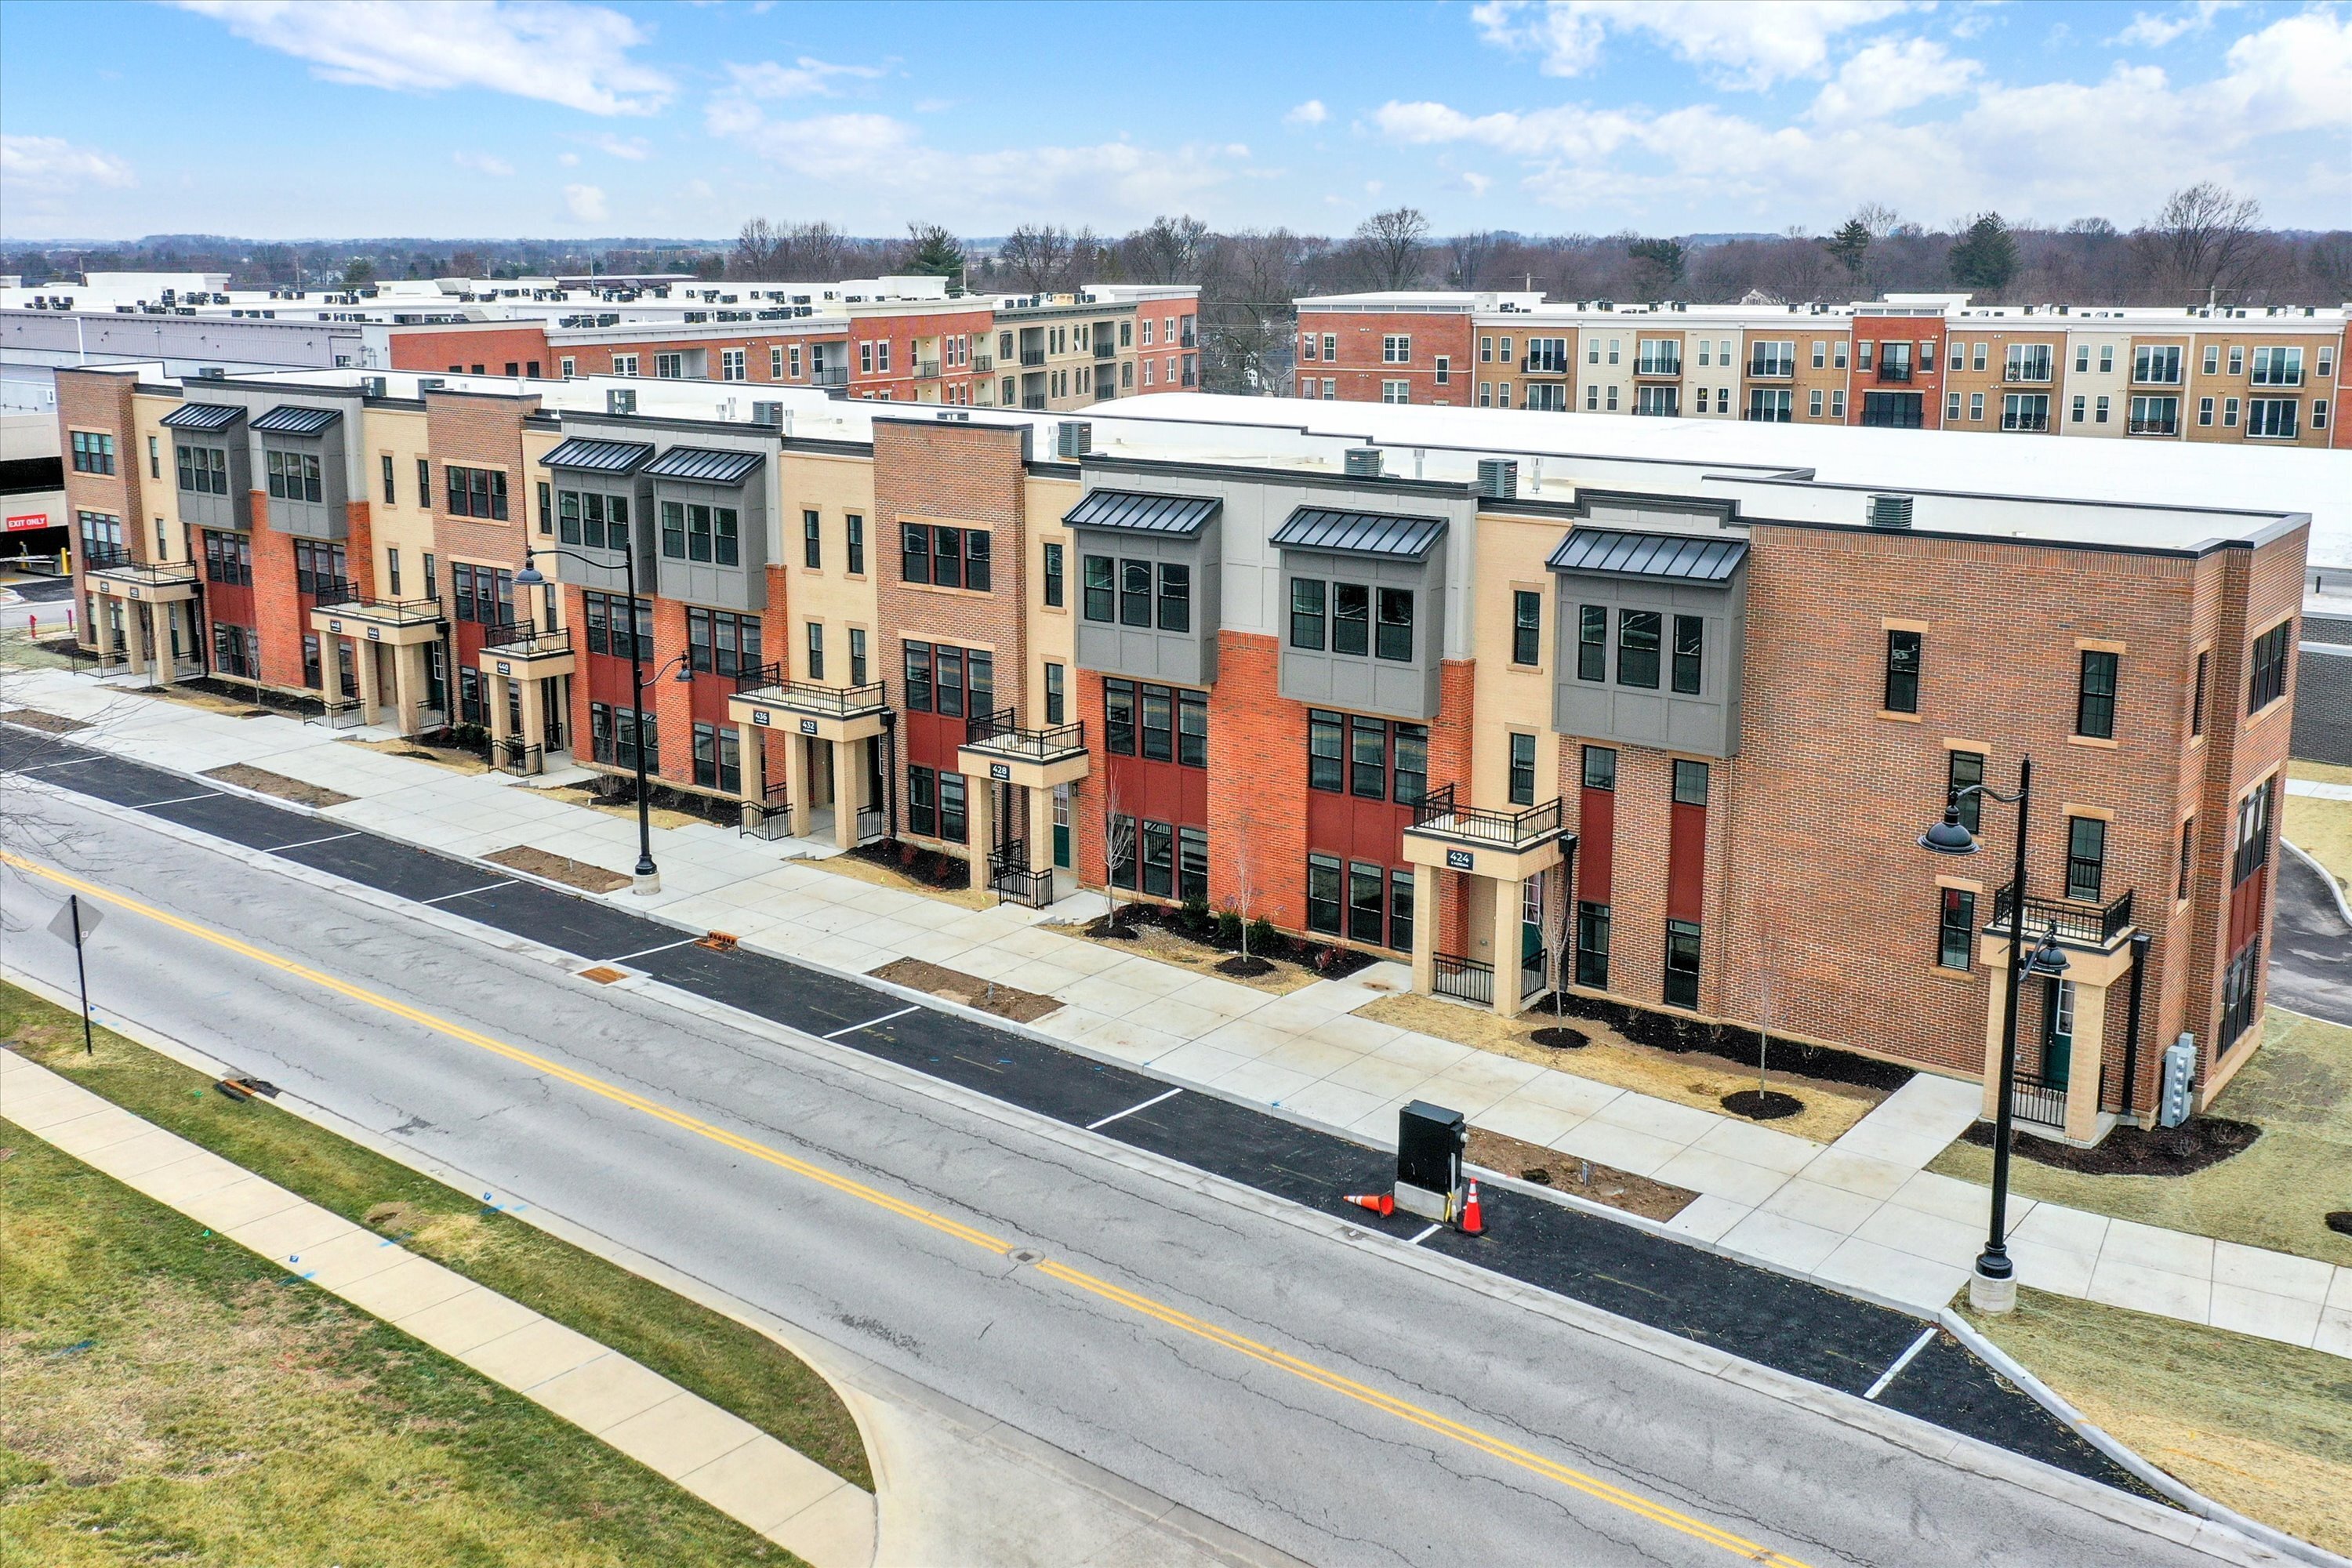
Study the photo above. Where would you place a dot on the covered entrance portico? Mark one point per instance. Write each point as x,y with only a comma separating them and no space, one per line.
1495,864
2074,1033
525,669
1018,804
387,642
148,613
832,740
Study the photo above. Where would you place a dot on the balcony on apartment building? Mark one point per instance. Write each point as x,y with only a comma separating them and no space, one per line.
1895,371
1106,349
2100,927
926,370
111,566
1663,365
1773,368
1544,365
2031,372
766,683
1032,356
1192,339
527,639
339,611
829,375
1507,845
984,364
1001,734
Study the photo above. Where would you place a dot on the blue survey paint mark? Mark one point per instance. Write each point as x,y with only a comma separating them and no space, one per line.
75,1349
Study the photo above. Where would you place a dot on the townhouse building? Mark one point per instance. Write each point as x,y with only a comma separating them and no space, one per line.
2258,376
1655,713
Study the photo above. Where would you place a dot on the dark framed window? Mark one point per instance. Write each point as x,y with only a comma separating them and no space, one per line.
1690,783
1135,593
295,476
977,546
1408,762
1367,757
1323,884
1098,585
1326,743
1159,725
915,553
1523,769
947,558
1690,653
391,496
1056,697
1192,729
1394,638
473,492
923,801
2187,856
1159,859
1956,929
423,481
816,650
1682,964
2095,703
947,681
811,539
1366,902
2197,697
1306,612
1191,863
1120,850
854,526
1966,769
1526,628
2087,857
93,453
717,758
1118,718
1592,642
1903,650
1052,576
546,499
314,676
1638,633
2254,851
856,655
919,677
953,825
1351,618
698,640
1600,767
1401,909
1592,945
1175,597
2267,684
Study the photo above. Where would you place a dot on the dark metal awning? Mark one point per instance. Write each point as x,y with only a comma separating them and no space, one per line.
1132,512
1678,557
599,457
705,465
1360,533
206,417
296,419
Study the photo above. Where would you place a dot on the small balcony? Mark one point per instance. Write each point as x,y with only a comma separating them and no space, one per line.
1190,340
767,684
1106,349
1034,400
400,622
2025,376
1772,369
926,370
1544,365
829,375
2101,926
1510,846
1669,365
111,570
996,746
2023,421
523,650
1032,356
984,364
1899,371
2154,427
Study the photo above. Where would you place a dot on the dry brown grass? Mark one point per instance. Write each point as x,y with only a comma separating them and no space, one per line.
1164,946
2323,830
1550,1168
581,795
456,759
862,871
2319,772
210,702
261,781
971,990
34,719
1692,1079
561,869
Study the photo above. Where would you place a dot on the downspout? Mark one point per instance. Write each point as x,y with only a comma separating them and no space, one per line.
2139,945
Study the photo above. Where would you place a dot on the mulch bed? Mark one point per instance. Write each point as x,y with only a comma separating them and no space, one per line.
2129,1150
1734,1043
34,719
930,867
1601,1184
1328,960
1762,1104
1560,1037
261,781
561,869
1244,967
954,985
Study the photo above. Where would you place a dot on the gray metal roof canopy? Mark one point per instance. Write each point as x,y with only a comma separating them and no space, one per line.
203,416
1360,533
1674,556
598,456
296,419
705,464
1134,513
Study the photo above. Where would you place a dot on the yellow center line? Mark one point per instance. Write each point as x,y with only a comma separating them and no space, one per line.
1144,1306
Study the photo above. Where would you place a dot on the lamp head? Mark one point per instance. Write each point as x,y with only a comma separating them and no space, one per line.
530,577
1949,837
2047,959
685,676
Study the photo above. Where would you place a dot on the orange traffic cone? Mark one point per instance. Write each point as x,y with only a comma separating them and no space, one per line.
1473,1223
1380,1204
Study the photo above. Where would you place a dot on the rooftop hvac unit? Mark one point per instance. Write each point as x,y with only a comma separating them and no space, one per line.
211,372
372,386
425,384
620,400
956,416
772,414
1890,512
1498,477
1074,438
1363,462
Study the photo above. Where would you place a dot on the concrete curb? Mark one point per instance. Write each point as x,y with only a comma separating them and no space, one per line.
2335,887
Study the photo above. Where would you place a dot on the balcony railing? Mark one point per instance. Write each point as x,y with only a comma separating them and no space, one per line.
1437,813
767,682
1035,400
1671,366
983,364
1015,884
1032,356
2090,925
1106,350
1001,733
766,817
2033,1098
2024,421
104,557
1464,979
2026,374
926,370
2155,426
1544,365
518,756
2157,375
1901,373
829,375
390,612
113,561
526,639
1772,369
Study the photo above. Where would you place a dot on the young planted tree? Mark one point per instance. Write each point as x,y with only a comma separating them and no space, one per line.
1242,903
1119,847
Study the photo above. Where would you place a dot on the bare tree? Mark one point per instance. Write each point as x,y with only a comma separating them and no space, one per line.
1166,250
1389,247
2202,242
1246,319
1466,256
758,250
1038,256
1246,898
1118,845
812,251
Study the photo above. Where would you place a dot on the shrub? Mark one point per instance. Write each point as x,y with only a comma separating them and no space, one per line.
1229,929
1264,938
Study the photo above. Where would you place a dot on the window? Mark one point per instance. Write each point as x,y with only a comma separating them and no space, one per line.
431,589
2107,359
1053,576
1135,593
1324,740
2087,857
2157,366
1690,783
1444,376
945,557
1690,643
1956,929
389,498
322,569
1395,639
2196,696
1408,763
2319,414
1773,359
2188,857
1659,402
423,482
1976,405
1396,392
2094,704
2278,367
1526,628
485,594
1813,402
1401,910
856,527
2025,411
922,802
947,674
856,655
2268,681
952,822
1119,717
1592,642
473,492
294,475
2154,415
1368,755
2229,413
1396,348
1523,769
2271,418
1637,647
1351,617
1175,597
1097,574
1367,887
1682,964
812,539
1056,694
717,758
228,559
2253,846
2027,361
1951,406
93,453
391,571
669,367
1773,406
915,560
1306,612
1599,768
1323,894
602,522
1903,657
1159,725
546,507
1592,945
1193,863
204,470
2081,403
730,365
815,650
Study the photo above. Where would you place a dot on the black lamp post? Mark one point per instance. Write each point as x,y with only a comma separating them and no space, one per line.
648,876
1994,1287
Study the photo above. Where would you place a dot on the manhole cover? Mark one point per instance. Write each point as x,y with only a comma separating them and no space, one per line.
1025,1255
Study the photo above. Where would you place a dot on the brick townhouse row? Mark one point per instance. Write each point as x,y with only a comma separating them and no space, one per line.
1661,730
2255,375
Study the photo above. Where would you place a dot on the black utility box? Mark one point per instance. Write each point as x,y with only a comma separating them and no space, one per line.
1431,1144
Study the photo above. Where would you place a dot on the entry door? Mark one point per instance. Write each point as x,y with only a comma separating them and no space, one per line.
1061,826
436,680
2058,1033
1531,933
551,703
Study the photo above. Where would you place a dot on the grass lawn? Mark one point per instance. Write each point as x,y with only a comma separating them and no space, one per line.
169,1400
733,1366
2321,828
2255,1425
2298,1089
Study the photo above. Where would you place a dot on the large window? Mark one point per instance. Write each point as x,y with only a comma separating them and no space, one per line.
721,642
1592,945
2272,418
2267,684
484,594
93,452
2155,366
1955,927
612,735
609,629
1965,770
693,531
1903,650
2087,857
1306,612
2095,702
294,475
1052,576
945,557
1325,738
1637,649
1773,406
2155,416
1523,769
1682,964
229,560
717,758
1690,644
1526,628
602,522
1592,642
473,492
204,470
2025,411
1099,587
1175,597
2278,367
1323,894
2253,850
1366,890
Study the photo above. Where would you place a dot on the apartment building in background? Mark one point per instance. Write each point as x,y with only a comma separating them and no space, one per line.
2256,375
1656,712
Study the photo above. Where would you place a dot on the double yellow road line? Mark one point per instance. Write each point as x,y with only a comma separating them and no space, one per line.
1144,1306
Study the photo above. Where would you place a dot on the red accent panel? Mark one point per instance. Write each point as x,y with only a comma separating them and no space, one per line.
2247,901
1685,862
933,739
709,699
608,678
1355,828
1596,840
1159,792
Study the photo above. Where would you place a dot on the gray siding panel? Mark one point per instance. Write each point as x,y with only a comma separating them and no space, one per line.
1706,723
1147,653
1365,683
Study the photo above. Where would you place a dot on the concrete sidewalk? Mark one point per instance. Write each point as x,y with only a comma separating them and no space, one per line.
724,1460
1862,1214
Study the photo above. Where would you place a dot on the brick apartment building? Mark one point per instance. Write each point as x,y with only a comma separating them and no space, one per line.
2255,375
1657,713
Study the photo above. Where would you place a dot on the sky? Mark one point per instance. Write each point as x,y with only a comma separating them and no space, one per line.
305,119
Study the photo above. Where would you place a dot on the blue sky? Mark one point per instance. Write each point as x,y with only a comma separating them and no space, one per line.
452,118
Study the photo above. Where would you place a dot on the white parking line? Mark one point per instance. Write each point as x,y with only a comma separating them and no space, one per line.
870,1023
1424,1235
650,952
177,800
1900,1362
44,767
306,843
1131,1110
469,892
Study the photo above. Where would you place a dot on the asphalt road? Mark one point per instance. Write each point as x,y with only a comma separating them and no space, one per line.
2311,947
1289,1383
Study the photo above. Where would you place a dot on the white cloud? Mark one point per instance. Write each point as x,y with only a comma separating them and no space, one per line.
482,162
569,159
2146,31
632,148
804,78
1479,184
1890,76
585,202
1741,44
577,55
1310,112
53,163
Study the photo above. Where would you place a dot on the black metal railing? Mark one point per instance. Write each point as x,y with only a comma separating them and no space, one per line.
1437,813
2033,1098
1669,366
1013,855
2154,427
2091,924
1002,733
1772,369
328,591
982,364
830,375
869,823
767,815
809,695
104,557
1544,364
1898,371
2025,374
1015,884
2025,421
1534,975
518,756
1464,979
1032,356
526,639
1105,351
152,573
926,370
